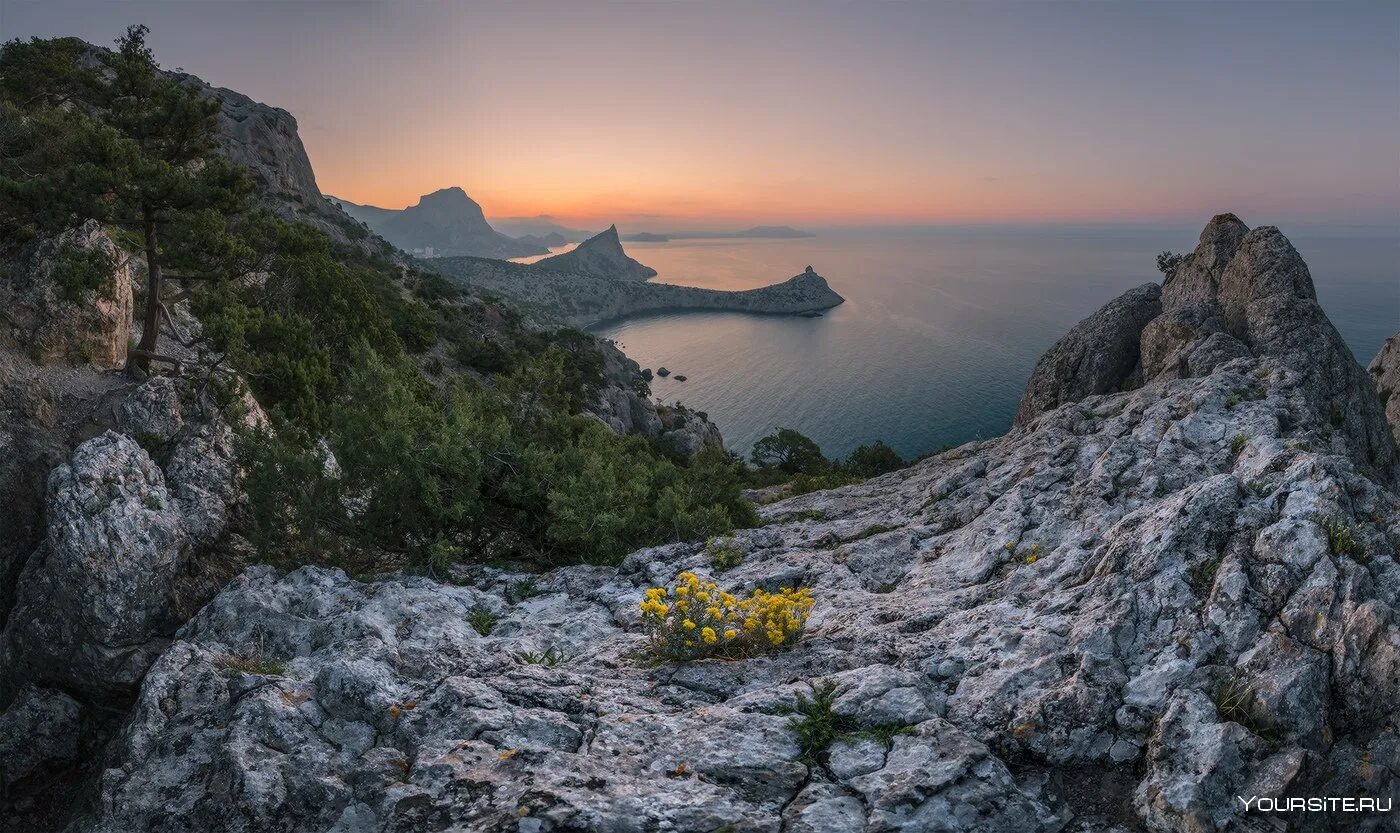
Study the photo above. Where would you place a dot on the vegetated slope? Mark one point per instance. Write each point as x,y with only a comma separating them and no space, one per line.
1138,604
136,496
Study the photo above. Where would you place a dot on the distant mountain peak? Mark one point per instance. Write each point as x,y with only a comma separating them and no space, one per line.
600,256
448,222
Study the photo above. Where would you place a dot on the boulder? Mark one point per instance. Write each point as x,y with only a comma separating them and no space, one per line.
40,730
1240,294
1098,355
123,517
92,602
1196,280
68,298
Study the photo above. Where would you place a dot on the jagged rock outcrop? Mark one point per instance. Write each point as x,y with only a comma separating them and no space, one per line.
447,220
578,300
68,299
1096,356
265,140
1385,372
91,601
622,405
1241,293
1118,617
110,582
600,256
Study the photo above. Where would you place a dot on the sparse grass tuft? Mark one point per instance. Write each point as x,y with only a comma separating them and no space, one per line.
1201,575
549,658
1236,702
525,588
484,621
1343,538
817,725
253,662
869,532
1237,444
804,515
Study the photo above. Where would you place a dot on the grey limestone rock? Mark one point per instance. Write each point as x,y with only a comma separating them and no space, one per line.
1097,356
41,315
1385,371
1128,610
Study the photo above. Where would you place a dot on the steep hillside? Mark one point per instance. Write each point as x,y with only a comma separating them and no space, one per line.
447,221
600,256
1129,610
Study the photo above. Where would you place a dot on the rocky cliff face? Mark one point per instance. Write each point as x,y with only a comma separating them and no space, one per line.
447,220
1134,607
264,139
622,405
1385,371
600,256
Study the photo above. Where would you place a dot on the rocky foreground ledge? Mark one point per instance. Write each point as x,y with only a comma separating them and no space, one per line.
1174,582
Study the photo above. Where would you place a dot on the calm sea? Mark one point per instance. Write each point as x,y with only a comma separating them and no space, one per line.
939,330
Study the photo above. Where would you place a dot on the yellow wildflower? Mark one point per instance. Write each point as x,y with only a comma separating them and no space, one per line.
708,634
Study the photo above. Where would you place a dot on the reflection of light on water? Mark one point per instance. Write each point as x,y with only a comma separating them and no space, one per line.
554,250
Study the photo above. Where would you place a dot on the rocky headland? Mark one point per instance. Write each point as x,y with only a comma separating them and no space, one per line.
600,256
598,282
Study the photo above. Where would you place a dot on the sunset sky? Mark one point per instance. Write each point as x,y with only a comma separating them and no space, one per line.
666,116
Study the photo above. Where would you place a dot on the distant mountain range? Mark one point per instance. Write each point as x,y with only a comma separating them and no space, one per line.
539,227
448,223
443,223
757,232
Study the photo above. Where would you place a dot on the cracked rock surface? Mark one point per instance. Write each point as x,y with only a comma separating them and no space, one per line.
1119,616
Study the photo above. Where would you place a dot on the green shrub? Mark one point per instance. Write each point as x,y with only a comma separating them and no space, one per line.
723,555
78,272
815,724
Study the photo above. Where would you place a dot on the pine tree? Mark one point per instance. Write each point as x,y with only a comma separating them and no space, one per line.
132,147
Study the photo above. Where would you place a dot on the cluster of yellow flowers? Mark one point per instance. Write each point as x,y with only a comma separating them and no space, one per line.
696,619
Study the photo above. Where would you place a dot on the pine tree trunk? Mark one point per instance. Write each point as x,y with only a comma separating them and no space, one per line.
150,330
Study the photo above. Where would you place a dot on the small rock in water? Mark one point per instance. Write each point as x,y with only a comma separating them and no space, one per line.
662,372
680,378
